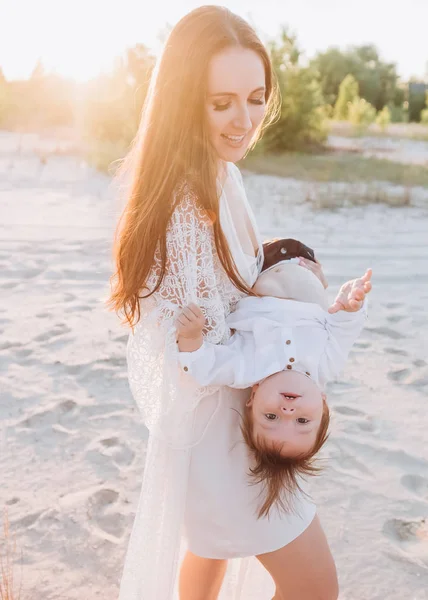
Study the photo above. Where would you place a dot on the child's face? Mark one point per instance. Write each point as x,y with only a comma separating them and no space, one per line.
287,408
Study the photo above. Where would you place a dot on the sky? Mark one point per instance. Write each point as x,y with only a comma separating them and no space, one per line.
80,38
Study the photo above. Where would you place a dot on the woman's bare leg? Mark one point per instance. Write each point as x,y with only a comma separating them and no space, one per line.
305,568
201,578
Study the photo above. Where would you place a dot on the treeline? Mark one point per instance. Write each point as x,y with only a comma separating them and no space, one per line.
353,84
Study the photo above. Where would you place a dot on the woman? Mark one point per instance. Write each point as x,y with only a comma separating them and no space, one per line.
188,234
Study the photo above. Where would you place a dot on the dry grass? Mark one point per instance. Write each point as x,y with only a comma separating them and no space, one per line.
411,131
331,197
334,166
7,551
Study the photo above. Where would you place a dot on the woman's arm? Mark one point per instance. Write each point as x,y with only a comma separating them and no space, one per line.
193,273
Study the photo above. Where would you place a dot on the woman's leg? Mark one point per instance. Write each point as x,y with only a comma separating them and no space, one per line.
304,569
201,578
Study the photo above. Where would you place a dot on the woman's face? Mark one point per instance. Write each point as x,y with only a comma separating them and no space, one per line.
235,103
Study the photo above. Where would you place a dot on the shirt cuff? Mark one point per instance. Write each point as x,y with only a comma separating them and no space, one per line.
186,359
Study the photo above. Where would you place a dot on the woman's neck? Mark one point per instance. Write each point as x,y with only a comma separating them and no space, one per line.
222,171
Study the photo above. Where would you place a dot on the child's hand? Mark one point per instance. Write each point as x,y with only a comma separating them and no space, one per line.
352,293
190,323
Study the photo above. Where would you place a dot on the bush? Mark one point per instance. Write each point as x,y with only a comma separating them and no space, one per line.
303,119
424,113
383,118
361,114
348,91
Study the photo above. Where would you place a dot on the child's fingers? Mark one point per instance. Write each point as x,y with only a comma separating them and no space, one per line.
335,307
196,310
183,320
367,275
357,294
354,305
187,311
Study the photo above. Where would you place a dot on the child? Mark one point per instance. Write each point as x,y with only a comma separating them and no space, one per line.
286,346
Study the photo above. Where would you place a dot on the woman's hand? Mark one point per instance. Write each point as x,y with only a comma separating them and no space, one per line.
189,325
352,294
315,267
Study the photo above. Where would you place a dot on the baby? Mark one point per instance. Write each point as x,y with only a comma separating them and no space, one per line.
287,343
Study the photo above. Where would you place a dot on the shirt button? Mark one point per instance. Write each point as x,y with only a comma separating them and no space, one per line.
307,373
185,369
288,342
289,367
291,359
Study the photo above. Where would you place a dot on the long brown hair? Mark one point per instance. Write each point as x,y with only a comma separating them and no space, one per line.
278,474
172,144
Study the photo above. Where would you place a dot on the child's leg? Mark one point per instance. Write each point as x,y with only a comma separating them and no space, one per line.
201,578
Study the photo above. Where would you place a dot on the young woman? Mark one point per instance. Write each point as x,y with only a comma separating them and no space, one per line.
187,234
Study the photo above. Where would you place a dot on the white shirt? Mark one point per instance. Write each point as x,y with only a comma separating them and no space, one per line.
273,334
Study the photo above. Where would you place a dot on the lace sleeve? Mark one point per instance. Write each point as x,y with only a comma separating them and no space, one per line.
165,396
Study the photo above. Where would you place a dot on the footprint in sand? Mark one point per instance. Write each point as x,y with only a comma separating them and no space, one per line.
419,362
48,417
58,329
349,412
363,345
395,318
102,511
110,450
416,484
410,536
27,521
386,332
10,345
118,451
397,351
12,501
362,421
398,375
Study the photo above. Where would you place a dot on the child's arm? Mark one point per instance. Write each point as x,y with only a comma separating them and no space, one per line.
233,363
345,321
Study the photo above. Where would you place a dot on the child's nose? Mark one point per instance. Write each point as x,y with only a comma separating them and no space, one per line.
287,409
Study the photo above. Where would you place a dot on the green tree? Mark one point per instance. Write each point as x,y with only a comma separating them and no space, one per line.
302,121
377,79
348,91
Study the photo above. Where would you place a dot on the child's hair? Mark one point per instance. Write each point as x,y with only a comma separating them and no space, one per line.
279,473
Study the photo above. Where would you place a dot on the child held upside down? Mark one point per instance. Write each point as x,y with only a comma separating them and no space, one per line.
287,344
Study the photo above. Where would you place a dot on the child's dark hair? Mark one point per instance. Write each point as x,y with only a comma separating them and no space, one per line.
279,474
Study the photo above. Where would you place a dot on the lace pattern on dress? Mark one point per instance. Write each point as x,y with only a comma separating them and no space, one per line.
165,396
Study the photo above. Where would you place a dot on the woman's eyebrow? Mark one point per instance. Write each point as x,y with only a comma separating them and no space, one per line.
259,89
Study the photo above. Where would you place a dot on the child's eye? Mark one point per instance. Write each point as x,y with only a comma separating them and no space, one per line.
302,420
270,416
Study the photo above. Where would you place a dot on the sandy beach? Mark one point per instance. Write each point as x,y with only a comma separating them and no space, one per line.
72,441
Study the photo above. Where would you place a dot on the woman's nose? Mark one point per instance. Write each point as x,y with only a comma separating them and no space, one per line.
243,120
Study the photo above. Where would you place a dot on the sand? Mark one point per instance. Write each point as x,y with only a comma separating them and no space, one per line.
73,444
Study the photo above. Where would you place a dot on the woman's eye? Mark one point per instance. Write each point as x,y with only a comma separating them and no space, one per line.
270,416
226,106
221,106
302,420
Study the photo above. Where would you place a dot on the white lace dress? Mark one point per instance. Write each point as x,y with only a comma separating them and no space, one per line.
195,491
